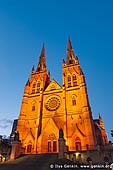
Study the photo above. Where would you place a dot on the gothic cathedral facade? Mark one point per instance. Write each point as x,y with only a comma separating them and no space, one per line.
47,107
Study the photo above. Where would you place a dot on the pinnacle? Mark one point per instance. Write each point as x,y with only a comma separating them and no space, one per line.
42,59
99,115
27,84
69,44
70,53
33,69
43,51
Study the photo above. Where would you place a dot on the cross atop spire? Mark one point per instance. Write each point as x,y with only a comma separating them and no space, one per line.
42,60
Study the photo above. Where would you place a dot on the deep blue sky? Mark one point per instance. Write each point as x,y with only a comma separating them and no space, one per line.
26,24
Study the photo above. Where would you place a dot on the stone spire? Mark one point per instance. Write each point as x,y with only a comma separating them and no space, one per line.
27,83
33,70
101,121
69,48
70,53
42,61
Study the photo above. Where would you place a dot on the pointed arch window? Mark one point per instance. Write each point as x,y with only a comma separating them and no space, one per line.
73,100
38,87
33,88
33,105
69,81
74,80
33,108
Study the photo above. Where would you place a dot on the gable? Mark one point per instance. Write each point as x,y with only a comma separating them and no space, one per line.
29,136
53,86
50,127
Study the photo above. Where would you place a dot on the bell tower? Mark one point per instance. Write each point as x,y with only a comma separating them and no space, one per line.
30,118
79,128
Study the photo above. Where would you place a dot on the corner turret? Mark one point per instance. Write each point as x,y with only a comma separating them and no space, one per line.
101,121
27,86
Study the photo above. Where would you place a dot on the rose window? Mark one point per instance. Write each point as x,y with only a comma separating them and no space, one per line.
53,103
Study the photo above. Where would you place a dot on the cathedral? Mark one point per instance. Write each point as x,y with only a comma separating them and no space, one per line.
47,106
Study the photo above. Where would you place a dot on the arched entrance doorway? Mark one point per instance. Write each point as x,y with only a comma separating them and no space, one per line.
77,144
29,147
52,143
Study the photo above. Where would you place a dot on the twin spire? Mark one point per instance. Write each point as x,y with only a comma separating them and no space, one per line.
42,60
71,59
69,48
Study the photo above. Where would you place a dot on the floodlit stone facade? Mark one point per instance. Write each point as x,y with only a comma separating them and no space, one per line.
47,107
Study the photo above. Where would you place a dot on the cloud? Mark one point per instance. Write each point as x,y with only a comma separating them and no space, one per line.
5,123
